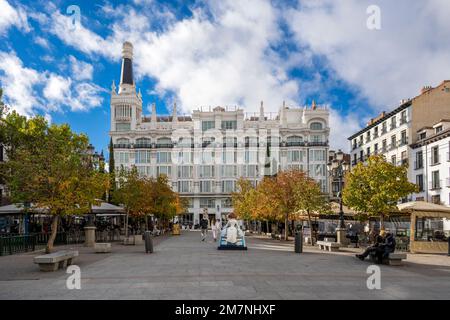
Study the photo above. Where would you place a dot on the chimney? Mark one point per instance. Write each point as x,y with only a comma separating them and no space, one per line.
425,89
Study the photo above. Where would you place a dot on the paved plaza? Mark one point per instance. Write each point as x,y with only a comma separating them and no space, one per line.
183,267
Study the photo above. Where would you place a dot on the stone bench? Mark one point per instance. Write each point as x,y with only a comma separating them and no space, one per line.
394,259
102,247
56,260
328,246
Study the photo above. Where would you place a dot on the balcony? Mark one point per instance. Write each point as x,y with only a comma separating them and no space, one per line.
393,126
418,165
434,161
360,143
402,142
317,144
230,145
122,146
375,134
403,120
435,185
392,146
143,146
296,144
383,131
164,145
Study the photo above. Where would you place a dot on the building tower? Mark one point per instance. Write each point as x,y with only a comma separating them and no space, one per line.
126,104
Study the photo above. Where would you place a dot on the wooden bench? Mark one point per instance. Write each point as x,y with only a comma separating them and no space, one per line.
394,259
56,260
328,246
102,247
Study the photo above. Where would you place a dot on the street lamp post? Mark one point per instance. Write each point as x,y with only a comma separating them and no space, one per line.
337,168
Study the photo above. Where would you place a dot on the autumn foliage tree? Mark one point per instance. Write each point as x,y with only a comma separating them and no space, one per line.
376,187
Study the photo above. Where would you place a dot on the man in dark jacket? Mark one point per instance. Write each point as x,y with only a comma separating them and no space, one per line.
204,227
376,248
388,245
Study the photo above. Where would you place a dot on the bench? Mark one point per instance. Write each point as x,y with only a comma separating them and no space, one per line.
328,246
56,260
394,259
102,247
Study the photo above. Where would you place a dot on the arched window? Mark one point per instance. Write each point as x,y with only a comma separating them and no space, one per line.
164,143
294,139
123,141
143,143
316,126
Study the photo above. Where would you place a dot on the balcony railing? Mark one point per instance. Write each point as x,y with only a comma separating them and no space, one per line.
418,165
403,142
122,145
295,144
383,130
435,185
393,126
143,146
317,144
403,120
164,145
435,160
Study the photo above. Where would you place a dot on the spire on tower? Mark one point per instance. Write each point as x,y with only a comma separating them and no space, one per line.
127,64
113,87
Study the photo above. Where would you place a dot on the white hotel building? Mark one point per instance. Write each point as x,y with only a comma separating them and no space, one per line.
204,154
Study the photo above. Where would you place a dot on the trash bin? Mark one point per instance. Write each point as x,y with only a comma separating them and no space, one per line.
299,241
148,242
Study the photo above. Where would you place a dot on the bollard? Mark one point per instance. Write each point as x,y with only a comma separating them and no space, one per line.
299,242
148,242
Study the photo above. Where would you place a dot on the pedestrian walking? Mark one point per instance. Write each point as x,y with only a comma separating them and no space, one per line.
204,226
216,228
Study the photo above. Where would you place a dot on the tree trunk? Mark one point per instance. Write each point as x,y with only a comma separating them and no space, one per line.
382,225
286,228
126,224
310,228
51,240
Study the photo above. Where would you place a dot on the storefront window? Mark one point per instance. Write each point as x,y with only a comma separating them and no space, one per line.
432,229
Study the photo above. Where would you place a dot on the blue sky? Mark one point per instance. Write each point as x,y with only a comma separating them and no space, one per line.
227,52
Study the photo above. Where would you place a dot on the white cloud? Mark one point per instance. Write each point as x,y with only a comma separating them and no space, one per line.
18,83
341,127
386,65
57,88
81,70
42,42
10,16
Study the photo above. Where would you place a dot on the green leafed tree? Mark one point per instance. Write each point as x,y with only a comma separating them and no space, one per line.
376,187
49,167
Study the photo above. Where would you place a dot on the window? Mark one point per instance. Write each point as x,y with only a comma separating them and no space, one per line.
419,182
394,160
184,186
227,203
184,172
438,129
435,155
205,186
361,155
294,156
393,142
143,142
208,156
316,138
123,142
251,141
207,125
368,152
317,170
123,126
403,117
317,155
431,228
229,125
230,141
368,136
294,141
207,203
229,171
316,126
164,142
142,157
121,157
251,156
375,132
383,127
384,145
422,136
206,171
375,149
185,156
435,182
393,122
228,186
404,139
166,170
163,157
229,157
419,160
250,171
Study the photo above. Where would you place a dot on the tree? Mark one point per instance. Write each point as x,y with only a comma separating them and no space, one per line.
49,167
309,198
376,188
242,200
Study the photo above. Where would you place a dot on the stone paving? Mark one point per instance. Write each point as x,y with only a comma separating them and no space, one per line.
183,267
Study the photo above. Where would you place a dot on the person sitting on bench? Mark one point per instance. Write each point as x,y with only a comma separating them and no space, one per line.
388,245
377,249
